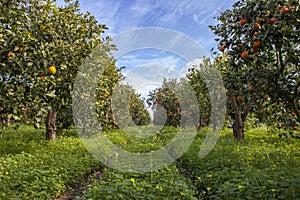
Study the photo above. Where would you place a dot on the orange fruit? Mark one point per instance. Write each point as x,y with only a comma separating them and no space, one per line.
295,127
255,33
52,70
243,21
10,55
21,50
256,43
245,54
262,111
273,20
222,48
284,10
239,98
260,19
268,12
293,114
257,25
106,94
250,87
42,77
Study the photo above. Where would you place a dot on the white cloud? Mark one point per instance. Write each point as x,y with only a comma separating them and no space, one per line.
147,73
193,64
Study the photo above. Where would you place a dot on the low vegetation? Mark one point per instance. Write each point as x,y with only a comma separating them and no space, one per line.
263,166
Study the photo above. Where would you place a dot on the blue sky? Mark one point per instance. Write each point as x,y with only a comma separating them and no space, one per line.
189,17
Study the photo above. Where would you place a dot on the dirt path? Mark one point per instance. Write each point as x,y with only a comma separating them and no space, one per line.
77,189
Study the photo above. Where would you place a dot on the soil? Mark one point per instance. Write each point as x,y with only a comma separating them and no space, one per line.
78,189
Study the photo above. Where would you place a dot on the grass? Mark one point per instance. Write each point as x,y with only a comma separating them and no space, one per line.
263,166
32,168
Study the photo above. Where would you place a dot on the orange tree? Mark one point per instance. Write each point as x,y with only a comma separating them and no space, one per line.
208,87
137,110
118,105
174,104
260,45
165,104
199,85
41,49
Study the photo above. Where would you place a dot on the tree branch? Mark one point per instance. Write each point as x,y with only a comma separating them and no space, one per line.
235,107
249,106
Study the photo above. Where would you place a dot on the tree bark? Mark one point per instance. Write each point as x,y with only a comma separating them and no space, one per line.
240,116
51,125
238,126
238,130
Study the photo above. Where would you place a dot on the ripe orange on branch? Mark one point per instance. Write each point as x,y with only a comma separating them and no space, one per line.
285,10
245,54
222,48
250,87
239,98
243,21
273,20
52,70
10,55
256,44
257,25
106,93
260,19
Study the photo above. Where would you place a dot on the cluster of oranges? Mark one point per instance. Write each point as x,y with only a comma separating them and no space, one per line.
256,45
106,94
11,54
51,70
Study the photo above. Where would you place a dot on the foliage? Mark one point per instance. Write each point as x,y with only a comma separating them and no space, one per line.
165,104
261,53
163,184
174,104
210,92
42,47
263,166
119,106
32,168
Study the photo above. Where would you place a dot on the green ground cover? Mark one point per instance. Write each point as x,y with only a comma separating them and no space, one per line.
263,166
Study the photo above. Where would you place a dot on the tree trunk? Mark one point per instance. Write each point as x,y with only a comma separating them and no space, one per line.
51,125
240,116
238,130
